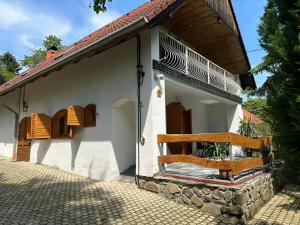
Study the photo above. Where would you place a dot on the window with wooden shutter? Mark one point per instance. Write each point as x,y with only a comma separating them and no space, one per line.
75,116
90,115
60,128
40,126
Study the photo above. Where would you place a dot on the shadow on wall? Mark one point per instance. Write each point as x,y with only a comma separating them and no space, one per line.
63,201
116,125
75,144
123,133
42,150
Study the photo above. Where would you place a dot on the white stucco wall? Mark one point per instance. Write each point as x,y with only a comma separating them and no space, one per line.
7,124
106,150
103,80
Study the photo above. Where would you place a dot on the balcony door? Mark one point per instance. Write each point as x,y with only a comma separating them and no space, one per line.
179,121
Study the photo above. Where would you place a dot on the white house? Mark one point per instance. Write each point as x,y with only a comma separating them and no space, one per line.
169,66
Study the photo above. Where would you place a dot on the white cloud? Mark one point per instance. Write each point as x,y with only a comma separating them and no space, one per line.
28,22
27,43
102,19
11,15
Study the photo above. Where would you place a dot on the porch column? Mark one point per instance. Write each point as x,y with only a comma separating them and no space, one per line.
234,115
158,103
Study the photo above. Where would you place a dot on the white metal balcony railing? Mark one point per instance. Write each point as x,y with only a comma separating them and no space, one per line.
182,58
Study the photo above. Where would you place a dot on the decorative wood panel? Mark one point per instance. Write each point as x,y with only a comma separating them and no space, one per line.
90,115
231,138
40,126
28,128
23,152
210,28
22,133
75,116
23,147
233,166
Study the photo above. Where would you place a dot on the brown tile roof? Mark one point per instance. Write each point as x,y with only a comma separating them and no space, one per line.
148,10
254,118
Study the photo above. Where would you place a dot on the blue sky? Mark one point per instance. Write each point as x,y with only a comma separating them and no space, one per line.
25,23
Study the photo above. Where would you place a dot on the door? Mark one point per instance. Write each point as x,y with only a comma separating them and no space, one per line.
179,121
24,144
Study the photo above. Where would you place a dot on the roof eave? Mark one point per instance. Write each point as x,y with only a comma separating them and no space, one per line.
137,24
250,77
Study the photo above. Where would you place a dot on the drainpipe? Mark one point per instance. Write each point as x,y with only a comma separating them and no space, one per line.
140,78
16,124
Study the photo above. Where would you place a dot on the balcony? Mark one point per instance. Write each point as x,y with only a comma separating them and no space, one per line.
180,57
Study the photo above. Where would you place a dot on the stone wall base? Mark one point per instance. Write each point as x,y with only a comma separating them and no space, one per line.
235,204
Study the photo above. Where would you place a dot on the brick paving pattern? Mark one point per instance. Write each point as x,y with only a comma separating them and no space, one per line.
283,208
37,194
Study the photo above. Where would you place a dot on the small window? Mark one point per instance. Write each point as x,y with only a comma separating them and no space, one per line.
90,115
60,128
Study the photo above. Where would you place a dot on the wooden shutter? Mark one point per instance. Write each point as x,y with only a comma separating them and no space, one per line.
28,128
90,115
75,116
40,126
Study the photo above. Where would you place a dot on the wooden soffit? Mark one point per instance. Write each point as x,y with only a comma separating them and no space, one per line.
209,27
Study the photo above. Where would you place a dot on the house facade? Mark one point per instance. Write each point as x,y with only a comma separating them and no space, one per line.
96,107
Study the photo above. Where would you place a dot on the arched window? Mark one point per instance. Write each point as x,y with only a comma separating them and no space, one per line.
90,115
60,128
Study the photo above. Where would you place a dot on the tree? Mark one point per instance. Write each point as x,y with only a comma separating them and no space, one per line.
279,37
99,5
8,67
38,55
51,41
10,62
257,106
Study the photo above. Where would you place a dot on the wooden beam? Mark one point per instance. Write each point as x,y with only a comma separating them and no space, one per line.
231,138
233,166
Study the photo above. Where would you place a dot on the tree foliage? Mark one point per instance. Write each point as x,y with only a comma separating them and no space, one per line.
279,37
38,55
9,66
257,106
10,62
99,5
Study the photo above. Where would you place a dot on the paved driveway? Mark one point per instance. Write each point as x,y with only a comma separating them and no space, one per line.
283,209
37,194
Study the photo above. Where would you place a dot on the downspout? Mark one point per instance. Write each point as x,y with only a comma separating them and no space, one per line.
140,78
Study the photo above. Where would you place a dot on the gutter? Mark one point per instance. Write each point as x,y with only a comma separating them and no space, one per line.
140,22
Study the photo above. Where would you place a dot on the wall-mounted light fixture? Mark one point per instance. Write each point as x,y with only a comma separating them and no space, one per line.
25,103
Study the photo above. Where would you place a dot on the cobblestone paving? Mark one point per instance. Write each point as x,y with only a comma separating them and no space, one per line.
283,208
36,194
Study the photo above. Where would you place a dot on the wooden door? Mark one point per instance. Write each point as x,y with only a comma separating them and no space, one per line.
24,144
179,122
